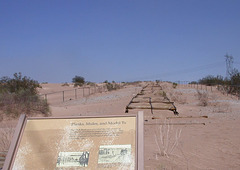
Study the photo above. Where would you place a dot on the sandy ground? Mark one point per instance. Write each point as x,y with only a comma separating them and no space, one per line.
171,142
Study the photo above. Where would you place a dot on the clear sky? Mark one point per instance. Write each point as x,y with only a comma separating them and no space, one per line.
120,40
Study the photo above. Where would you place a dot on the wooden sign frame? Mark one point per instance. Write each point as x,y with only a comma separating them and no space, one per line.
135,148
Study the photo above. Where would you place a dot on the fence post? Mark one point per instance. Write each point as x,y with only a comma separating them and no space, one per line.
46,97
238,92
63,96
227,89
75,93
89,91
83,92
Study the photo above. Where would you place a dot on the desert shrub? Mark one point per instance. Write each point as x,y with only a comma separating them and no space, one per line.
112,86
18,84
193,82
235,82
228,85
105,81
78,81
90,83
203,98
221,107
174,85
212,80
134,83
164,94
19,95
65,84
178,97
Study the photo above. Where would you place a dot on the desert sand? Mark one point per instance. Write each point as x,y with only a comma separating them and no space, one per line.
203,135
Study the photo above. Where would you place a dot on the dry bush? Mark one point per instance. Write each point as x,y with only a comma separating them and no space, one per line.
203,98
6,135
221,107
112,86
166,138
65,84
174,85
178,97
13,104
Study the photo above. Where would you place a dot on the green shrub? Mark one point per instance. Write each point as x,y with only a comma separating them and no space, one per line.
105,81
90,83
175,85
18,84
112,86
78,81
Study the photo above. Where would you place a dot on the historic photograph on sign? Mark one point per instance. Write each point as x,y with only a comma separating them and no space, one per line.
79,159
114,154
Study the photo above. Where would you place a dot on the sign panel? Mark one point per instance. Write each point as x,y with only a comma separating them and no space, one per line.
77,143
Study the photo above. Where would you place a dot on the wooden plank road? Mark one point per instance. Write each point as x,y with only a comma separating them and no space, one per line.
151,97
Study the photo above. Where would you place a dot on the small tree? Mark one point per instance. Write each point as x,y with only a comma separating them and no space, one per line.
78,81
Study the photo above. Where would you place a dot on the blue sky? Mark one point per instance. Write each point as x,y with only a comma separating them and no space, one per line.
120,40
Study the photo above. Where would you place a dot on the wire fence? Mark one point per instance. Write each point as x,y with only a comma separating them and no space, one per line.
76,93
232,90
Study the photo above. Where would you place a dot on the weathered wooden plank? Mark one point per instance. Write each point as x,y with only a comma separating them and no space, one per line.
152,100
155,106
156,93
3,154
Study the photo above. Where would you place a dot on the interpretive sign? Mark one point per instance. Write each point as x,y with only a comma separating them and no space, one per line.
107,142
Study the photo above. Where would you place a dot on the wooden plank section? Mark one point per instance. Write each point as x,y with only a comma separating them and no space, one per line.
155,106
150,95
153,100
155,92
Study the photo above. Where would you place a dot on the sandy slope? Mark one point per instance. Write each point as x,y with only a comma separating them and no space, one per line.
191,145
